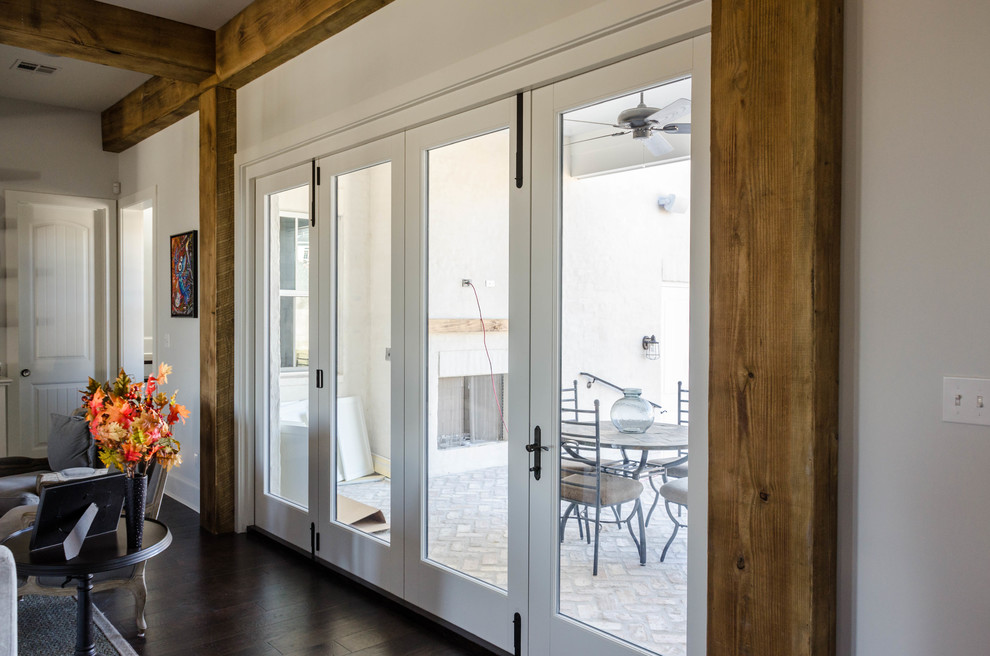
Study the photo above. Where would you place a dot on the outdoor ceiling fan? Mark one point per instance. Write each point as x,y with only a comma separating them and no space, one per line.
648,124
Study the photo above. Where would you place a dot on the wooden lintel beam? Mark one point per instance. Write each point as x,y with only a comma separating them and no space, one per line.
773,389
270,32
107,34
217,146
438,326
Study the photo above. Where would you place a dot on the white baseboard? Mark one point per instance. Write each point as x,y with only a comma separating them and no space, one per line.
182,490
382,464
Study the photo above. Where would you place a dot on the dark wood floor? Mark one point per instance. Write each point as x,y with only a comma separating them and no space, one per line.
246,595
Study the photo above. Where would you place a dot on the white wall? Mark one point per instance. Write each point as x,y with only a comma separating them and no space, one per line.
170,161
387,56
625,268
914,535
364,309
53,150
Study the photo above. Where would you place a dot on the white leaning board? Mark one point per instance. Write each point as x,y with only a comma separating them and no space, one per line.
353,447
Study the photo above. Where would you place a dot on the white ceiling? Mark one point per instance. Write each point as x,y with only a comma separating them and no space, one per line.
210,14
94,87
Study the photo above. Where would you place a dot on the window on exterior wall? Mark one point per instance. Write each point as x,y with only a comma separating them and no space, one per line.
294,290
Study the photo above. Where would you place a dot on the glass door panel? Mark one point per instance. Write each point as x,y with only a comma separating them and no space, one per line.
467,356
288,370
363,426
286,248
616,289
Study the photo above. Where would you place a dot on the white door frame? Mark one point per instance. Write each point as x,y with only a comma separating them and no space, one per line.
105,311
277,516
361,554
553,633
142,200
477,607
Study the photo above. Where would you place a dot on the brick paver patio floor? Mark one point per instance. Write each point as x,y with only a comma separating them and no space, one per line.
645,605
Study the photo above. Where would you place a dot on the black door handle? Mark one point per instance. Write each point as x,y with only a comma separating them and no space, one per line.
537,449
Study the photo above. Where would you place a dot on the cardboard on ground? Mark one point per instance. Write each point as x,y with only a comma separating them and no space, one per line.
360,516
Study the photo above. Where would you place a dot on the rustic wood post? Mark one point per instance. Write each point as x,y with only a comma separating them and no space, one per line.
773,396
217,145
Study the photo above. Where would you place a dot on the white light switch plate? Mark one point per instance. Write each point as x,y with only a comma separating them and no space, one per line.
966,400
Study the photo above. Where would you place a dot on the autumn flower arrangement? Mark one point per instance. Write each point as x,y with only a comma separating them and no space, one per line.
132,422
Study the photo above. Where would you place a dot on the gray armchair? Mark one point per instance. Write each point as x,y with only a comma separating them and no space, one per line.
8,603
69,445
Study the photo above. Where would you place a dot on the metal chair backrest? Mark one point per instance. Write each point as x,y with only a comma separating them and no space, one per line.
682,404
569,401
580,445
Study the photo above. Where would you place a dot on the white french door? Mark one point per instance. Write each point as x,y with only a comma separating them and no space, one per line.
612,265
361,314
287,411
417,337
467,372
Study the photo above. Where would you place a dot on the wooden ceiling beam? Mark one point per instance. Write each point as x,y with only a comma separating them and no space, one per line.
265,34
110,35
268,33
152,107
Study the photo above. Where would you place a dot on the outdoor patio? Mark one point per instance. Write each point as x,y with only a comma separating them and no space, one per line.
645,605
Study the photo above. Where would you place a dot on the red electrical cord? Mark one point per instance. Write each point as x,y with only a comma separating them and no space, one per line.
491,368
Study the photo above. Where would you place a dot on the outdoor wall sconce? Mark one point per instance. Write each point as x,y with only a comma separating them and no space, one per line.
673,203
652,347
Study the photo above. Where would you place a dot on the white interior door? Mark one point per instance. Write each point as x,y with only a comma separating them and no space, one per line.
62,313
286,407
360,199
467,259
607,242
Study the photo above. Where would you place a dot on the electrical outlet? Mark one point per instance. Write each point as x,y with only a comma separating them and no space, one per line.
465,282
962,400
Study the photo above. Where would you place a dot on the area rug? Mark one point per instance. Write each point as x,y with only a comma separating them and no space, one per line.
46,626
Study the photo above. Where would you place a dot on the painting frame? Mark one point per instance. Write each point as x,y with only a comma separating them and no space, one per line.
183,274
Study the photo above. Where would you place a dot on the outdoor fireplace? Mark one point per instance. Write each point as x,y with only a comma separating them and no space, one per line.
470,410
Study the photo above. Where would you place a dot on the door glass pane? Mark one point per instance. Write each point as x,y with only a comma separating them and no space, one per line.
364,319
288,361
624,326
467,362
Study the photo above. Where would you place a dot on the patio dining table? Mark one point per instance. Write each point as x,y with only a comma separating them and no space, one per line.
658,437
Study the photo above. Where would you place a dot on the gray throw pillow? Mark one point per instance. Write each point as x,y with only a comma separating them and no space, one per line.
69,443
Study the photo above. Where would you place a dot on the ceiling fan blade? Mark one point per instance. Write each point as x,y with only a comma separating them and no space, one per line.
672,112
657,145
577,120
601,136
676,128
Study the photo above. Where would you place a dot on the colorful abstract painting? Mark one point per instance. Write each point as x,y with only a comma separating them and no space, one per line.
183,258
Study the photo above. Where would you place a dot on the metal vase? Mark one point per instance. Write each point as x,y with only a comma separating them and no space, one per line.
135,492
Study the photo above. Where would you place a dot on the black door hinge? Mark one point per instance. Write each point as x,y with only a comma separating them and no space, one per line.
517,634
519,141
317,541
312,193
319,379
312,540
